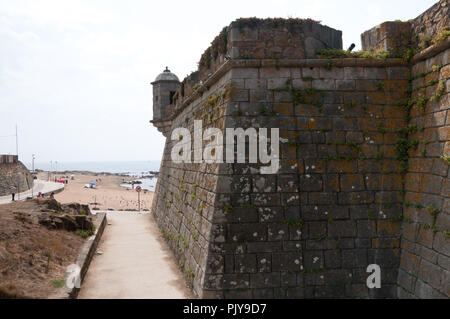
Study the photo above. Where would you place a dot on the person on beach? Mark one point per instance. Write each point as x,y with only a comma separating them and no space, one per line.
52,195
13,192
39,195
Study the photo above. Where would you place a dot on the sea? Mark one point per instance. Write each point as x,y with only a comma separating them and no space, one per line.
139,169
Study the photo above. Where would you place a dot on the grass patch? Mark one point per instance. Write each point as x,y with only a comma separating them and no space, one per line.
84,233
58,283
336,54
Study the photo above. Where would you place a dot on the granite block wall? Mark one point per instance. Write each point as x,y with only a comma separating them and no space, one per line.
363,176
425,268
186,193
391,36
276,38
14,174
312,229
431,23
396,37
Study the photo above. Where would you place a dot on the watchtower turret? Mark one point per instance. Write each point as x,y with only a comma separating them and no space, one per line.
164,88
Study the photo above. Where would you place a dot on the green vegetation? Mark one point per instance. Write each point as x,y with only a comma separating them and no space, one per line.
262,110
380,86
329,64
446,158
408,54
298,223
424,152
434,212
300,96
84,233
425,41
381,128
206,58
58,283
292,24
347,157
379,156
337,54
212,100
228,208
350,105
439,91
402,147
420,102
183,240
443,34
397,219
410,129
434,68
22,219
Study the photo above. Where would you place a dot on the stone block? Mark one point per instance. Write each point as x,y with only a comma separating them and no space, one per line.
247,232
354,258
245,263
288,261
263,280
366,228
342,228
333,259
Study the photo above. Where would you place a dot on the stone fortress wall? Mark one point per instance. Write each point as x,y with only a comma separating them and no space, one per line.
13,173
425,260
363,177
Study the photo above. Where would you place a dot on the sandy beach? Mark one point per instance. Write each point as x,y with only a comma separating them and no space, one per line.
108,193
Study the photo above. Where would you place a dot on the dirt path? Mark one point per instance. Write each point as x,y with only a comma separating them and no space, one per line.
136,262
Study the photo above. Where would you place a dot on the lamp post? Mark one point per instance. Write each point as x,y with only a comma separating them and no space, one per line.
32,176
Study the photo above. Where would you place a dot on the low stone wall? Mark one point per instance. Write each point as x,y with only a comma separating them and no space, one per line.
14,174
84,258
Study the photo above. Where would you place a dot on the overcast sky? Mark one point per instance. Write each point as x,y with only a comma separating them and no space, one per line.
75,75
